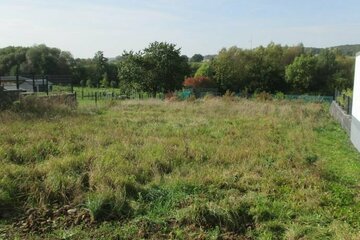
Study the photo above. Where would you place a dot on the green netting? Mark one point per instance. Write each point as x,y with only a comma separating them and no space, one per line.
309,98
184,94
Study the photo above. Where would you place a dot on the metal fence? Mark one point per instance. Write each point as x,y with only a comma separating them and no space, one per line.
310,98
37,83
344,100
95,94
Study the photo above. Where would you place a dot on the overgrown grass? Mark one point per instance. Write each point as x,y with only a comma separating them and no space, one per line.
220,168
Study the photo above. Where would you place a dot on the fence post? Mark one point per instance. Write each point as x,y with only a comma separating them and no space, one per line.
72,86
348,105
17,82
33,82
95,98
47,85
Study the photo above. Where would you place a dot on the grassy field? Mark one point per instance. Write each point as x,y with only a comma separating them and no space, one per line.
209,169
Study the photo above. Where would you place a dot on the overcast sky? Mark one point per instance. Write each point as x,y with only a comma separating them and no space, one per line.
197,26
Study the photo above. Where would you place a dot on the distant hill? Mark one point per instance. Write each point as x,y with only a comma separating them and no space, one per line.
349,50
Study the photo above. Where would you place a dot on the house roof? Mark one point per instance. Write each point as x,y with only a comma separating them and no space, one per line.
37,81
13,78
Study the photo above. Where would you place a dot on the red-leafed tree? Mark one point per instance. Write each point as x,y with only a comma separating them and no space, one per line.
199,82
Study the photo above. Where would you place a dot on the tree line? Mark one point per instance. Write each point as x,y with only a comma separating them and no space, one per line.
160,67
281,68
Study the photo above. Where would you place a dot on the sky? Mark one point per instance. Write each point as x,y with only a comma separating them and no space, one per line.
84,27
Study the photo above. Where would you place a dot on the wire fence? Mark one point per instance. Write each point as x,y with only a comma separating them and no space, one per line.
344,100
57,84
96,95
103,94
35,84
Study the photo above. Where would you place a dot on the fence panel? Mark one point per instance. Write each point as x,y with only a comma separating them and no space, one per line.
344,101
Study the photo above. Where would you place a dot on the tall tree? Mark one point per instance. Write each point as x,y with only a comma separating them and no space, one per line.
100,63
205,70
301,73
131,72
197,58
345,73
230,69
326,68
165,67
268,71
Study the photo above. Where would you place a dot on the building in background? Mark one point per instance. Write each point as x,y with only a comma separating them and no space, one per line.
26,84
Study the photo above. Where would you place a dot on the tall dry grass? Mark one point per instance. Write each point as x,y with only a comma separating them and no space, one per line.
244,167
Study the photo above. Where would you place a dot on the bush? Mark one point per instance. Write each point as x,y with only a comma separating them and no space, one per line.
279,96
342,98
199,82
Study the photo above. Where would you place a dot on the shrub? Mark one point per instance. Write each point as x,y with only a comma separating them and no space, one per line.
342,98
311,158
205,70
199,82
279,96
